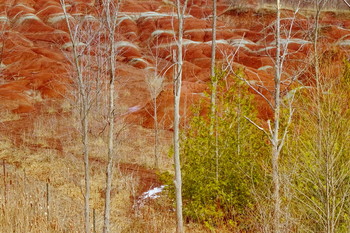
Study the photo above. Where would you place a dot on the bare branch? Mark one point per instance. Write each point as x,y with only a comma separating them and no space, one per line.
347,3
257,126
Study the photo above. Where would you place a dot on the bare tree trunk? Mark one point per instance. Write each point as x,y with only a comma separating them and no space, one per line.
177,95
111,26
212,64
347,3
276,132
214,83
329,182
109,171
5,182
85,125
318,103
155,83
84,112
156,159
178,182
275,135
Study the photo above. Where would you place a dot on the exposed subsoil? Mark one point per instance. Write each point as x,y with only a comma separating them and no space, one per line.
35,70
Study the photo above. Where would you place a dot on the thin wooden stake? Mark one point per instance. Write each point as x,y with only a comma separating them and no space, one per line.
5,182
94,220
47,202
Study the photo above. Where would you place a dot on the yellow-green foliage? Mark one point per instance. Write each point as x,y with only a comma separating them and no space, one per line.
221,166
346,74
319,151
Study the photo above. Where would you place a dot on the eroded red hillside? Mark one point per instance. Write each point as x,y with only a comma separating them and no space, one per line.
35,68
39,135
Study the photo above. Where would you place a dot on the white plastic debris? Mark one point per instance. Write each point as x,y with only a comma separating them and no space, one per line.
148,195
153,193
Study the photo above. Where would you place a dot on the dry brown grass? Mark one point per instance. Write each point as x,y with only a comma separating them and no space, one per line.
24,203
33,165
7,115
137,146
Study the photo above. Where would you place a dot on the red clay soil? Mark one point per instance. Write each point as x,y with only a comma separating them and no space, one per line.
35,67
148,179
35,49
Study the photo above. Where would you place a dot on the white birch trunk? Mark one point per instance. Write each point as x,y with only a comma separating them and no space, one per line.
177,95
156,131
212,64
111,26
84,120
275,134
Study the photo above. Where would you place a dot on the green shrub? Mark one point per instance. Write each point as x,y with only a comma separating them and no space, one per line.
221,166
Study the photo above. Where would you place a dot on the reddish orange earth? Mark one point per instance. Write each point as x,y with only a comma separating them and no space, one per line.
35,39
36,70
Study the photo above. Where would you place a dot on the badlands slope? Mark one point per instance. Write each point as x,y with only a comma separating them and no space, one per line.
38,141
34,44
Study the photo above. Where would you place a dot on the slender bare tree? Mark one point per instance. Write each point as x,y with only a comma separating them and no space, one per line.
82,36
84,111
347,3
214,83
275,137
212,64
277,128
110,12
155,82
322,187
178,59
330,174
155,85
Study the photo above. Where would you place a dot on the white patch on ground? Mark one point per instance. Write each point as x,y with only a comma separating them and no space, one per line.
149,195
34,94
240,42
185,42
217,42
264,68
292,40
205,30
150,14
70,44
150,68
90,18
125,44
200,30
152,193
27,17
137,60
159,32
4,18
344,43
201,94
130,33
190,42
134,109
124,17
295,40
46,8
25,6
54,18
263,49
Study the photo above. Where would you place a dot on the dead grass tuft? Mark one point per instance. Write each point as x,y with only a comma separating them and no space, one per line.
35,164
